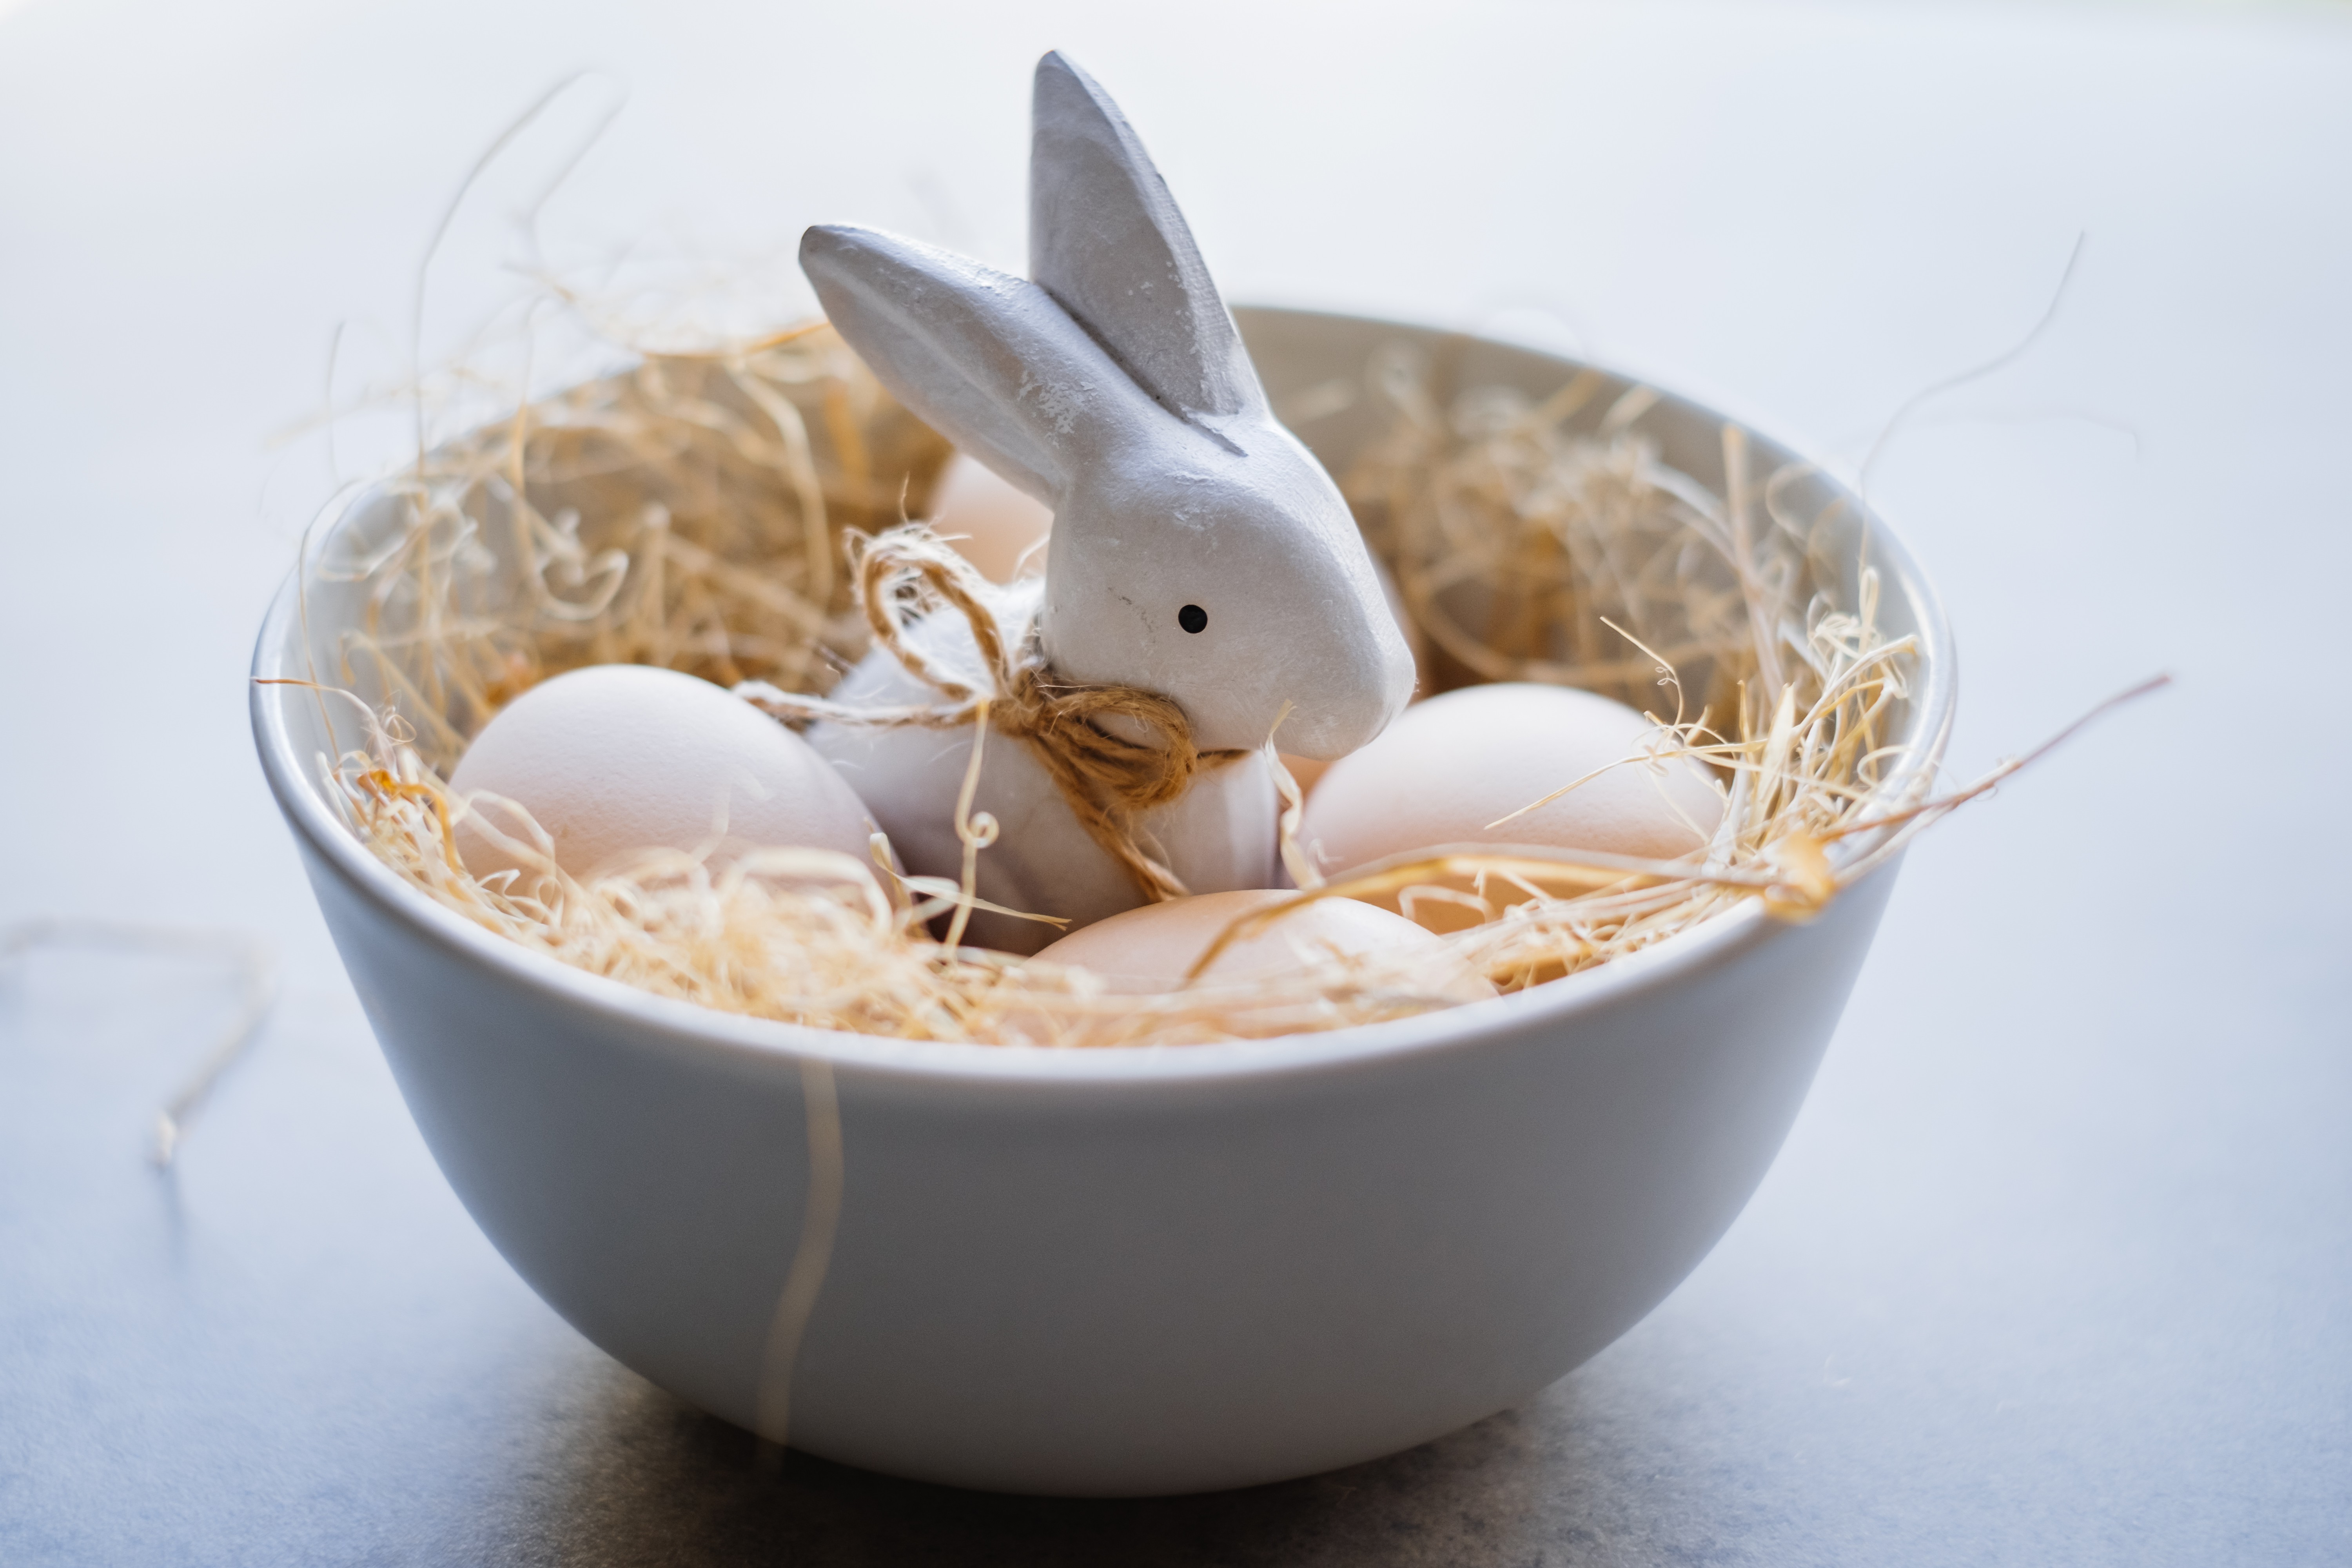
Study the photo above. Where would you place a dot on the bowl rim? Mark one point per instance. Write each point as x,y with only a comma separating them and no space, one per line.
1552,1008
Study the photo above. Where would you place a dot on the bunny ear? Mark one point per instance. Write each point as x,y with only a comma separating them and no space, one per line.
986,358
1105,239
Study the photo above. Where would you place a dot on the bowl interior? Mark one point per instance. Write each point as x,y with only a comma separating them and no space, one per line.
1316,370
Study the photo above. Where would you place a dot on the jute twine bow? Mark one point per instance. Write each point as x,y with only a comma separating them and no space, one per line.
1108,780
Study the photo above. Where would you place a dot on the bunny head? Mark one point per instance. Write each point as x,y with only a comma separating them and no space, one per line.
1198,550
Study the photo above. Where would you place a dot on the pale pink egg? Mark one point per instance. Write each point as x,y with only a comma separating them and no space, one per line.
1153,948
622,757
991,523
1448,769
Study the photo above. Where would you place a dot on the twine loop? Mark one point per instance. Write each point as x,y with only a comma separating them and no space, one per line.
1107,780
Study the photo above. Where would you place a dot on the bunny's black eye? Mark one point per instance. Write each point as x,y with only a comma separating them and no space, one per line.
1193,618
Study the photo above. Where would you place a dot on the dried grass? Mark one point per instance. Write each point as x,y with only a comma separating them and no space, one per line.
692,512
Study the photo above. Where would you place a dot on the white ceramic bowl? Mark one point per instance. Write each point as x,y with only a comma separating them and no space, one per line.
1116,1272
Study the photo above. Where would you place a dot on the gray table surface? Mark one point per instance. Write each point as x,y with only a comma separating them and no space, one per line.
2056,1266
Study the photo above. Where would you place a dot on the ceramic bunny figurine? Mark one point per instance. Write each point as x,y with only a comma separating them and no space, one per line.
1198,550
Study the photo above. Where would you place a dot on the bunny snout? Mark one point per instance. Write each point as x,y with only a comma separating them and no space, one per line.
1235,582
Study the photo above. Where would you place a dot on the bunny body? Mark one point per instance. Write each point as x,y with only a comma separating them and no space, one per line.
1217,836
1198,550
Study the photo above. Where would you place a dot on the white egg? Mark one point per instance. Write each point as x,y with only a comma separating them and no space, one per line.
622,757
994,525
1153,948
1448,770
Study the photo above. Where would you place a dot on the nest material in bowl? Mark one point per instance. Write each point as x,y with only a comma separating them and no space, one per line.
692,511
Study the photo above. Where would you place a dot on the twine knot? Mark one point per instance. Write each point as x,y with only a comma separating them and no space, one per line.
1108,780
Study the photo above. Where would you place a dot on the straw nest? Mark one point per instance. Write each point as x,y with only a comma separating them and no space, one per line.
692,511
